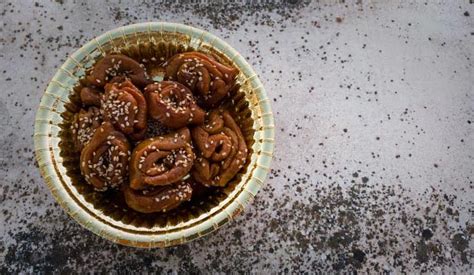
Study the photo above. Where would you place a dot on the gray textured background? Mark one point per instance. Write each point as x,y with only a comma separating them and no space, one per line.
373,166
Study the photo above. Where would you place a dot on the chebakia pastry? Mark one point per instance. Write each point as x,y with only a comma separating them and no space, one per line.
173,104
117,65
158,199
104,160
125,106
210,80
159,143
161,160
221,149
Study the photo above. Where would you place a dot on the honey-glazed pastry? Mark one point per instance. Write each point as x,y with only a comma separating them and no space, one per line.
161,160
104,160
117,65
90,96
84,125
173,104
159,198
125,107
221,149
210,80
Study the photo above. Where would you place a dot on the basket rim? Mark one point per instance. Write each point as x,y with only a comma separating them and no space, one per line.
222,215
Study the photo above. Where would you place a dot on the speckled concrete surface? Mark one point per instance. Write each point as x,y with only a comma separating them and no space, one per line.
373,167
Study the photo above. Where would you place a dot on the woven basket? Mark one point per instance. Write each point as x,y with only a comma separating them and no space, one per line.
123,226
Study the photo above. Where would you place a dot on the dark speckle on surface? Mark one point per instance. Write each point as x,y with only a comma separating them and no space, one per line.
373,166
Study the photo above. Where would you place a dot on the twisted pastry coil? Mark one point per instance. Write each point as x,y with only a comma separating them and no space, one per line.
173,104
104,160
211,80
221,147
84,125
161,160
158,199
125,107
117,65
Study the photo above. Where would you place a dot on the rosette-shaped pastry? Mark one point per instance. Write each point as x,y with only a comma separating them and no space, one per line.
221,147
125,107
210,80
84,125
173,104
158,199
117,65
161,160
104,160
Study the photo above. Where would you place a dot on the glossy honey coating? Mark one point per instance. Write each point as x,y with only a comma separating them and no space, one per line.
125,107
158,199
161,160
221,149
104,160
173,104
209,80
117,65
157,174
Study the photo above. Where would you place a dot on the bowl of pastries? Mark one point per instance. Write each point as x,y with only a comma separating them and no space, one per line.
154,134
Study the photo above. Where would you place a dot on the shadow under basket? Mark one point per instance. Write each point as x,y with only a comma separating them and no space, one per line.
106,213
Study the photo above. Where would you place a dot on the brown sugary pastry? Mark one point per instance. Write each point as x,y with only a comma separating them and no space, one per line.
90,96
161,160
210,80
104,160
173,104
117,65
125,107
157,199
221,149
84,125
